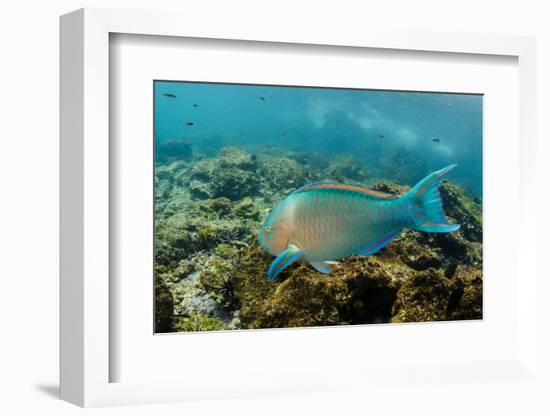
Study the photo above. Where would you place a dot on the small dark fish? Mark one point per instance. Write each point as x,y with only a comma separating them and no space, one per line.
381,136
189,123
195,105
169,95
436,140
285,134
262,98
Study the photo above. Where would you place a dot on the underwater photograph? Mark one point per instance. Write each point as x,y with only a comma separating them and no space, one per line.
289,206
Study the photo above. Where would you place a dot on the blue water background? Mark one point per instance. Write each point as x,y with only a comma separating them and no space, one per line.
385,130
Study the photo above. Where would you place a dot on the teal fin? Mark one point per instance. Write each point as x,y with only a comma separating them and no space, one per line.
377,245
283,260
321,266
426,195
437,227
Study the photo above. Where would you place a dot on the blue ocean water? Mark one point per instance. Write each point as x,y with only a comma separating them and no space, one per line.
395,135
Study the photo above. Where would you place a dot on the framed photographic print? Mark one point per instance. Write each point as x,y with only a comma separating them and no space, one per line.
274,214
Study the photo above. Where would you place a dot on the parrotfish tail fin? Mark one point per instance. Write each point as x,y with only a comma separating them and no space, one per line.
283,260
430,216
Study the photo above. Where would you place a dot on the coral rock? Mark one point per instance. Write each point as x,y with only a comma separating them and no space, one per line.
424,297
462,210
172,150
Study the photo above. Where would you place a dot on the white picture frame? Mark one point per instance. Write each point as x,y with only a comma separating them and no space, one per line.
86,356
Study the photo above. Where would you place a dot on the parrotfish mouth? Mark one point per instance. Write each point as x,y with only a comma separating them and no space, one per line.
424,212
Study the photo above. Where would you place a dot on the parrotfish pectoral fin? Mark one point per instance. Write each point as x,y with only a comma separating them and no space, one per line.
377,245
426,195
321,266
283,260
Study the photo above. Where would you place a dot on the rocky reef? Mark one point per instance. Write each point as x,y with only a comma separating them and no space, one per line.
211,274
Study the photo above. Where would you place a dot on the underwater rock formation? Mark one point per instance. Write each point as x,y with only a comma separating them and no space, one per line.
203,225
423,297
359,290
344,168
237,157
463,209
164,307
231,175
411,168
172,150
281,173
311,161
211,274
391,188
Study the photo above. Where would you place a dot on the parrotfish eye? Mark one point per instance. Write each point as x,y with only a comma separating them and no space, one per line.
267,229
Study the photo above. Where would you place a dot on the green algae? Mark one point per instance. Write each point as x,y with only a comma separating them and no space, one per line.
198,322
164,307
423,297
281,173
463,209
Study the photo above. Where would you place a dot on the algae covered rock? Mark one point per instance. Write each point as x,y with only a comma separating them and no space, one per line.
221,205
424,297
391,188
345,167
467,299
310,160
172,150
237,157
211,273
203,225
282,173
305,299
463,210
218,282
430,295
300,298
372,286
172,244
198,322
232,175
412,249
359,290
249,280
410,169
247,209
164,307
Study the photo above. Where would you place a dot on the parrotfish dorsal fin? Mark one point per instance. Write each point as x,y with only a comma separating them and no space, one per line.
355,188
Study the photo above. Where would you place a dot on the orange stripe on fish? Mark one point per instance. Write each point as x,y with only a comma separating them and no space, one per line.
370,192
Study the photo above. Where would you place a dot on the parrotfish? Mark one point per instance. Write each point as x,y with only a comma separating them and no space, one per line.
321,223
